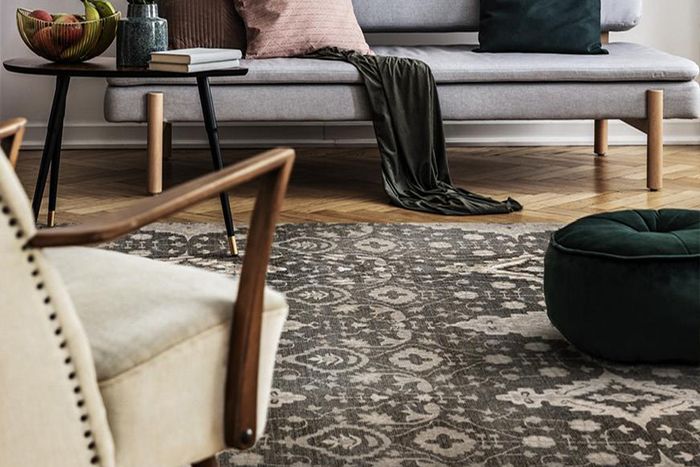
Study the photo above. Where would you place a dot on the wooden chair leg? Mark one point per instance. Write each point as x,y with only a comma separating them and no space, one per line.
167,141
155,142
211,462
655,140
601,137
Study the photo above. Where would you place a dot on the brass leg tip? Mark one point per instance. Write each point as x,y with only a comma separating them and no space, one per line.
232,245
51,219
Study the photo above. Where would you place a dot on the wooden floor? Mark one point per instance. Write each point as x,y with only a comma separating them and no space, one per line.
555,184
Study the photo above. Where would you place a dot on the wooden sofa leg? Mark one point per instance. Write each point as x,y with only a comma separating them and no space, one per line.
155,142
655,140
601,137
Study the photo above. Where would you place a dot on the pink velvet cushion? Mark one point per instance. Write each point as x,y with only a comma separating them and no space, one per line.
288,28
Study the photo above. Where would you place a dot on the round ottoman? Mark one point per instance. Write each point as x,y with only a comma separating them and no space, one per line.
625,286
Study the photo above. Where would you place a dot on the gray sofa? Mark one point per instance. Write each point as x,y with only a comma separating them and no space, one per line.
635,83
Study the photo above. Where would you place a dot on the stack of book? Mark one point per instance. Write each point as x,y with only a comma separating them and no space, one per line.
194,60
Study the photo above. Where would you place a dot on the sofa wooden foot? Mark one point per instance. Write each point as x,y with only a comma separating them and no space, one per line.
155,142
653,126
655,140
601,137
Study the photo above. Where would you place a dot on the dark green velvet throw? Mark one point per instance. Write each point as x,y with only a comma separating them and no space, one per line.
408,127
543,26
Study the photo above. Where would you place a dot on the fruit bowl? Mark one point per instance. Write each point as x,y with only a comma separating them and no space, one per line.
66,38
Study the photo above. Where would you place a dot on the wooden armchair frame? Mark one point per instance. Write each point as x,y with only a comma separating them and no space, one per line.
273,168
11,135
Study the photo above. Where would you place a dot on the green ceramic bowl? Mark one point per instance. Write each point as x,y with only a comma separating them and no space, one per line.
67,42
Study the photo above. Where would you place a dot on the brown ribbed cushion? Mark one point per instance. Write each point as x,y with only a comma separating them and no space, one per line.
287,28
203,23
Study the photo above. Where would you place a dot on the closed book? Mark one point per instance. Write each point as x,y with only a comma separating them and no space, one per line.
195,56
182,68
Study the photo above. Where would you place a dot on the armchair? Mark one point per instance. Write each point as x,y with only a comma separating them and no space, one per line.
114,360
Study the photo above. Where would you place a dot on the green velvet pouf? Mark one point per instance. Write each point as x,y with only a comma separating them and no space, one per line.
625,286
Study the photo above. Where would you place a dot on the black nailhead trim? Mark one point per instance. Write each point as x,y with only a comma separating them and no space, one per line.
52,316
87,434
67,360
91,445
77,391
63,344
40,285
35,272
5,210
57,331
13,222
83,418
47,300
71,375
19,234
94,460
30,258
81,403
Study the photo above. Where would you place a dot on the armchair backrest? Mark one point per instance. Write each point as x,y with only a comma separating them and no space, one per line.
51,412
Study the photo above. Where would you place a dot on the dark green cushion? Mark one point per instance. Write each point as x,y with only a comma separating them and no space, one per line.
626,285
544,26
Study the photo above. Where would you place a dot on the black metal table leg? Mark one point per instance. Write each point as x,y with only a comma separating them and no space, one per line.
53,181
213,134
52,143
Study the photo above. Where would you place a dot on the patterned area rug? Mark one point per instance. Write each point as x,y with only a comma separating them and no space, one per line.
429,345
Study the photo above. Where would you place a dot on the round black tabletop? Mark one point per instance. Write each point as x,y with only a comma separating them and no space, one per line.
103,67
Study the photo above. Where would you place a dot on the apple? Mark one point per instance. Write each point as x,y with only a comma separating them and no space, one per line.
67,29
42,15
44,43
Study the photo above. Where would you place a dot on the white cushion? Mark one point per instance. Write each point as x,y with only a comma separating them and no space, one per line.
159,334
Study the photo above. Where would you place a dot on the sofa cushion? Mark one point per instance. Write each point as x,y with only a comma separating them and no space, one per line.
289,28
159,335
477,101
458,64
543,26
463,15
203,23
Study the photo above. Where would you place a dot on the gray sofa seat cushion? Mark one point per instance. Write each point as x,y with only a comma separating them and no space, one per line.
342,102
463,15
457,64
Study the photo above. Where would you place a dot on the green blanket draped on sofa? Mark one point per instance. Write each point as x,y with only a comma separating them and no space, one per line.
408,125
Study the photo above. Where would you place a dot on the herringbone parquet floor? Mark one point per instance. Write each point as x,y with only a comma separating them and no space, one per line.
555,184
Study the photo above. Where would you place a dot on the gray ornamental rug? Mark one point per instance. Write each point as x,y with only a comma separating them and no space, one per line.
428,344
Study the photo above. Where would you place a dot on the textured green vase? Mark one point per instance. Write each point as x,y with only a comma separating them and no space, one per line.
140,34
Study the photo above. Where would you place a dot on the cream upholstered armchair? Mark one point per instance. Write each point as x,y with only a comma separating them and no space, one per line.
114,360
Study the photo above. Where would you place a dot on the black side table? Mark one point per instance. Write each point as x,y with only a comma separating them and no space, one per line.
106,68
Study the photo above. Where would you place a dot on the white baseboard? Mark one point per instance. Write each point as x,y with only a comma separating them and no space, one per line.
310,134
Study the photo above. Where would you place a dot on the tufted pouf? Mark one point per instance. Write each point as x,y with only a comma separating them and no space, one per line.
625,286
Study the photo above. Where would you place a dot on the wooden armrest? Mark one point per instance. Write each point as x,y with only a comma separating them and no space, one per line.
11,135
273,168
110,226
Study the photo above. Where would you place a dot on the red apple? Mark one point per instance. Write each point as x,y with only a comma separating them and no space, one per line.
67,30
42,15
44,43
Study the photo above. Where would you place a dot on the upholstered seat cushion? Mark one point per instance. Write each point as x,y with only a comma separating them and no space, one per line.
159,335
626,285
458,64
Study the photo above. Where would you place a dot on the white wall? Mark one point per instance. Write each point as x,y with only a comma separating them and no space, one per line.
670,25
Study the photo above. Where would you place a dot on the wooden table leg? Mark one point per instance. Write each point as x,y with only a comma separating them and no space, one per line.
52,143
213,134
